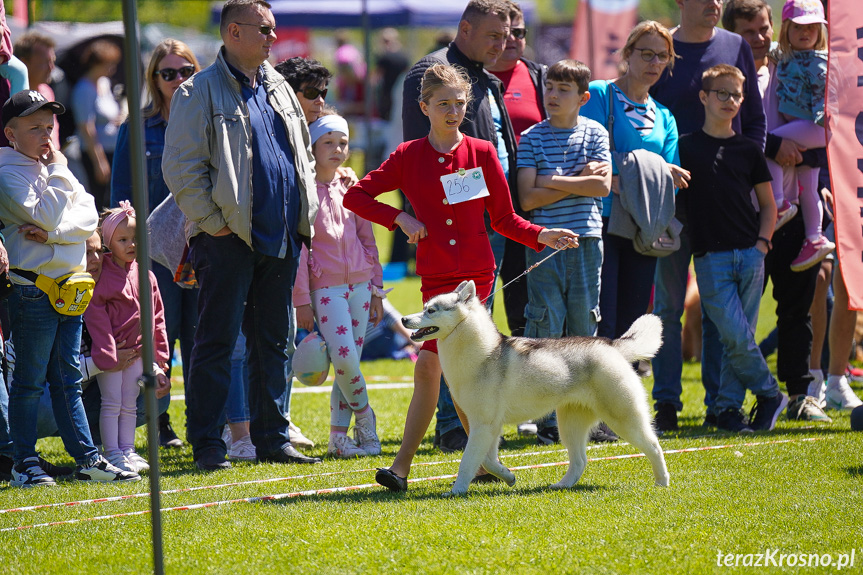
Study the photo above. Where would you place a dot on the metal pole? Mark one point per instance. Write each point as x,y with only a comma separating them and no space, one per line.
140,200
368,98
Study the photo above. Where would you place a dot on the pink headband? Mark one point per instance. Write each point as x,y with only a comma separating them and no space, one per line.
109,226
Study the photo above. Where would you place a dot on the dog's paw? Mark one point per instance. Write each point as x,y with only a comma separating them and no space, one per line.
560,485
664,482
450,494
510,481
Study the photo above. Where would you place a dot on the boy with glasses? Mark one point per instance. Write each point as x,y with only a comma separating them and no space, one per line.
729,242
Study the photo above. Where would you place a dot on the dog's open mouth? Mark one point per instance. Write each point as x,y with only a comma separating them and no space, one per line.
423,332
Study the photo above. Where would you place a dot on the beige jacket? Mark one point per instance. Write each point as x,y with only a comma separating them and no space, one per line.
207,161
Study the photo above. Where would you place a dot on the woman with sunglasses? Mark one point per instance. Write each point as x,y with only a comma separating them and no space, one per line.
309,79
171,64
640,123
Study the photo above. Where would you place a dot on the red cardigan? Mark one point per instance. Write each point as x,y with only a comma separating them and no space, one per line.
457,244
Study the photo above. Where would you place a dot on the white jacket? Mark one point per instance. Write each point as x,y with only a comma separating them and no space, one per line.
51,198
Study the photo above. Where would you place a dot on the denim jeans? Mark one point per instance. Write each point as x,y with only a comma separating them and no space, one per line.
564,291
237,410
672,272
47,345
627,282
730,283
5,440
244,289
47,426
181,313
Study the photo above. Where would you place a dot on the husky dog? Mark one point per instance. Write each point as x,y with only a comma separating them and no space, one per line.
496,379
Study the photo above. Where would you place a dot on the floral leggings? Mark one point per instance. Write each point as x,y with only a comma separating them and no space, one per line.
342,313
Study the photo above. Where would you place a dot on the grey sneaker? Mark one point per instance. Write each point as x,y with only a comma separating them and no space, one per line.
29,473
102,472
365,433
806,408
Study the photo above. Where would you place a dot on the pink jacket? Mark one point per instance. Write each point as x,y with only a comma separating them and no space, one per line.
114,315
343,248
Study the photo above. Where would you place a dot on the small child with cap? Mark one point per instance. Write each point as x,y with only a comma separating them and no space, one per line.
47,217
339,286
114,319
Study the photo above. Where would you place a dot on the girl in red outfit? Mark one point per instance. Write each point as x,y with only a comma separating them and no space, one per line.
451,180
114,317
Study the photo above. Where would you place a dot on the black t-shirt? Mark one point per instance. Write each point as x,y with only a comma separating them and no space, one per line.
719,211
391,65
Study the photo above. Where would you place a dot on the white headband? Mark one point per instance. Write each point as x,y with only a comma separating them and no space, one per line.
330,123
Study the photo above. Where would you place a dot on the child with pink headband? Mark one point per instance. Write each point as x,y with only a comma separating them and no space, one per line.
114,322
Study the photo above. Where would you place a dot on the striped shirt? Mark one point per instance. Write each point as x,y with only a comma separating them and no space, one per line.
566,151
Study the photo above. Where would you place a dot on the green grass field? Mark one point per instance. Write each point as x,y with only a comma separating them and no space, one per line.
791,491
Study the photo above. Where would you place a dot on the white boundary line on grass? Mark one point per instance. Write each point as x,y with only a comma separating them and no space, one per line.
329,490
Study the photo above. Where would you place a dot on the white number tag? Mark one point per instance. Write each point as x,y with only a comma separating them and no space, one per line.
464,185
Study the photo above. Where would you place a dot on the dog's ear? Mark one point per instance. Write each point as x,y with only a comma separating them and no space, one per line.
466,290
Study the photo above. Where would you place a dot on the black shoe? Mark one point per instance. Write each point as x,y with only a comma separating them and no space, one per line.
666,417
603,434
732,420
453,440
548,435
709,420
287,454
766,411
6,464
212,459
55,471
167,436
391,481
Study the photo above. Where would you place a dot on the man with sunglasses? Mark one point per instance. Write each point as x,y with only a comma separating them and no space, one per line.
238,162
479,42
699,45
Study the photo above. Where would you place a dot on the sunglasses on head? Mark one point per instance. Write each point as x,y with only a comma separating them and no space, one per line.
311,93
169,74
518,33
262,28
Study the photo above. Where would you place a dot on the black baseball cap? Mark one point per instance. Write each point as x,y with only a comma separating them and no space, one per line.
26,102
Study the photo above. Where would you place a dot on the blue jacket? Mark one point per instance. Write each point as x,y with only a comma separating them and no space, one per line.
121,171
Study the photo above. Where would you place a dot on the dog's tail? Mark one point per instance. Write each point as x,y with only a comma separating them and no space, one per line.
642,340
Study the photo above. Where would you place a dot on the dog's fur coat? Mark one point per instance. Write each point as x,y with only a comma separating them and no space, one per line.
496,379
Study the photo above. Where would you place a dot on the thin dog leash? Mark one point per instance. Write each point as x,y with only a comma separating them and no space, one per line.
522,274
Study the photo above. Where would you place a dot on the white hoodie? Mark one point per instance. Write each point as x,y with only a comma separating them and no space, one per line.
51,198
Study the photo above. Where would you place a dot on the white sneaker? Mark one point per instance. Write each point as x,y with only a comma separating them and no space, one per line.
342,446
101,471
299,440
365,433
840,396
136,462
118,459
242,449
29,473
226,436
817,388
528,428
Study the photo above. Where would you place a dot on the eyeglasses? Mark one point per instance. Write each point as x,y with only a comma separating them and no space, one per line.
169,74
648,55
518,33
311,93
262,28
723,95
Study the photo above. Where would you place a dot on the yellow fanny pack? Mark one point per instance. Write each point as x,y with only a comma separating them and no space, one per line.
70,294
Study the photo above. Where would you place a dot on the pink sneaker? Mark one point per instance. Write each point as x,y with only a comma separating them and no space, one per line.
784,213
811,253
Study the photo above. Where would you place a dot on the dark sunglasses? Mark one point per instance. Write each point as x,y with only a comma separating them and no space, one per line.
311,93
262,28
518,33
168,74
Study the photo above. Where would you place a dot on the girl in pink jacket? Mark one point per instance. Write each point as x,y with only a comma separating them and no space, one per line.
114,321
339,286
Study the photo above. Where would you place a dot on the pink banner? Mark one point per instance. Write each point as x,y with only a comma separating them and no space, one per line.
599,31
845,139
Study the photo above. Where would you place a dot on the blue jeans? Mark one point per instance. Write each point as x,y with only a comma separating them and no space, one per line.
47,345
627,280
564,291
730,283
5,440
237,410
244,289
92,399
670,281
181,313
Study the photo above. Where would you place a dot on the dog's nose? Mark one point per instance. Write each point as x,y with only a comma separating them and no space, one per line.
404,321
